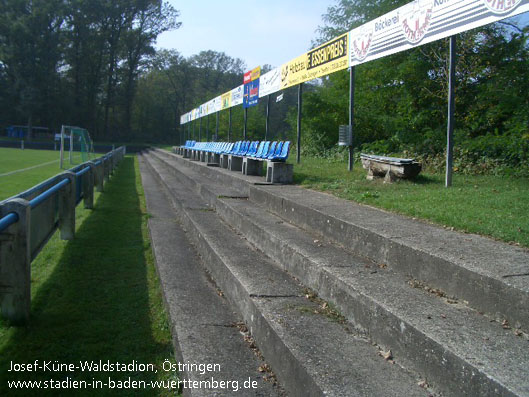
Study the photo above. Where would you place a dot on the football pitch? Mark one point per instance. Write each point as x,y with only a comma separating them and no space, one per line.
22,169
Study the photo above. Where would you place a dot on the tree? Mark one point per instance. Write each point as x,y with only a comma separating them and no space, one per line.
401,99
30,52
153,19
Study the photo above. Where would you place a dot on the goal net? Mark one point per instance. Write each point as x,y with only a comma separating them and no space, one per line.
79,143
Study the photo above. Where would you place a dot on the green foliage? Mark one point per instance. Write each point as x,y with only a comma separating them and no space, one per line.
76,62
401,100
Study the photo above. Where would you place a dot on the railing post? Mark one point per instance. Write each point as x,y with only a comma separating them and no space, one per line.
112,159
88,186
106,168
67,208
99,170
15,263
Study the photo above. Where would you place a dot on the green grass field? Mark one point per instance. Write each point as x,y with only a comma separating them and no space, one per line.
489,205
27,168
96,297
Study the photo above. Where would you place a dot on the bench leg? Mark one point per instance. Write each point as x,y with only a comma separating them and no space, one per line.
251,167
390,176
370,176
279,172
235,163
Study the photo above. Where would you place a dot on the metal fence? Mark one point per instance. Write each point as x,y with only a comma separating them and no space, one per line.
29,219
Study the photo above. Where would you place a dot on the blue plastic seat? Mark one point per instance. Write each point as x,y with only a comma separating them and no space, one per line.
257,150
235,147
264,150
243,149
270,151
284,153
277,151
246,148
254,149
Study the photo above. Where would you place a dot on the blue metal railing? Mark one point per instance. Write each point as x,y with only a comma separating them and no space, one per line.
48,193
8,220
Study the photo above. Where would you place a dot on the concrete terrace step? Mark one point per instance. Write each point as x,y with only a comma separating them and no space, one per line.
205,329
311,354
454,346
493,277
190,178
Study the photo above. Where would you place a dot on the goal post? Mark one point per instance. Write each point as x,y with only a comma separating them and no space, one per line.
76,135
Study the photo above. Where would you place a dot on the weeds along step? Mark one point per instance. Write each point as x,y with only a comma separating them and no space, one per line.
311,353
453,346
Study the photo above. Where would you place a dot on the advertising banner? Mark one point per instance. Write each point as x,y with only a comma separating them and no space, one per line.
217,104
414,24
251,94
210,107
424,21
237,95
251,87
323,60
226,100
270,82
252,75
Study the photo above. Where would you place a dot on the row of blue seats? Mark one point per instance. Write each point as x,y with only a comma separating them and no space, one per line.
264,150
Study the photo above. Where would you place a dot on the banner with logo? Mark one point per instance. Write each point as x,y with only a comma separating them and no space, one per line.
423,21
270,82
321,61
237,95
251,87
414,24
217,103
226,100
251,94
210,107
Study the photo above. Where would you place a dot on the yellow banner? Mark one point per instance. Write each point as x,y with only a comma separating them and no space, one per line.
226,100
256,73
321,61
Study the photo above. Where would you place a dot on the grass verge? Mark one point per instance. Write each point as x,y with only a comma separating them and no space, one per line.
95,298
488,205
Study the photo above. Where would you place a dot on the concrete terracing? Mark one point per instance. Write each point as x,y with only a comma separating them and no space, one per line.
452,308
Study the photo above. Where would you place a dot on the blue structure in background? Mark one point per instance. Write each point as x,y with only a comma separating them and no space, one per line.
20,131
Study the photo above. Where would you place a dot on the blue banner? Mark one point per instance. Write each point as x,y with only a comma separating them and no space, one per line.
251,94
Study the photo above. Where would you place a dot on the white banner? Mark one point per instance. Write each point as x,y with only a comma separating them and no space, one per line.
423,21
237,95
210,107
270,82
217,104
416,23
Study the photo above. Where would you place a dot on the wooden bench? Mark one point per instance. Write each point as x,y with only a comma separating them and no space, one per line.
389,168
